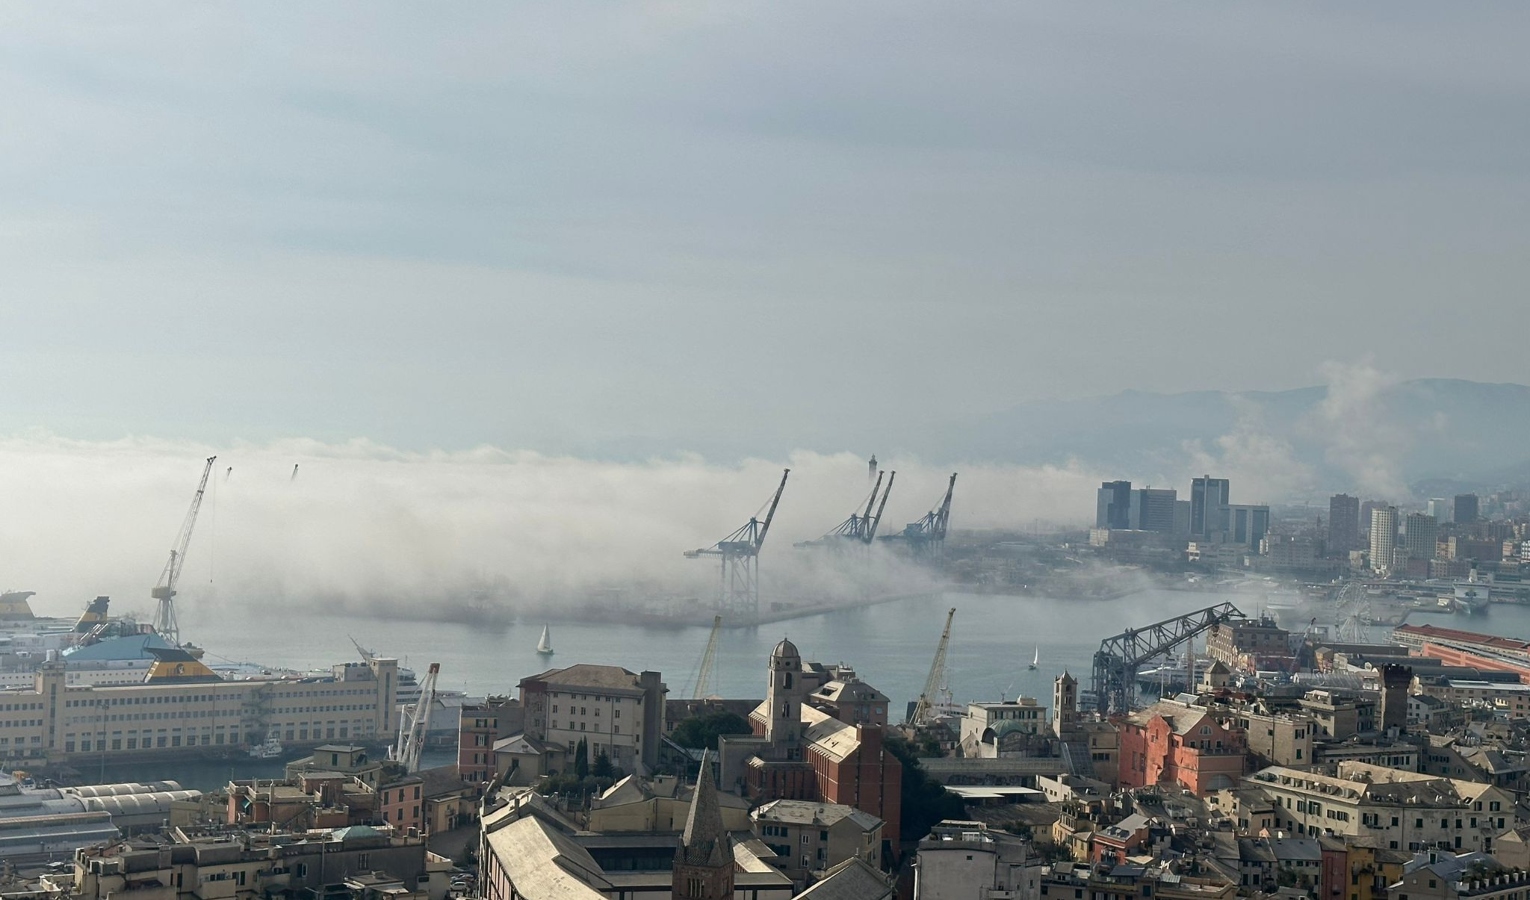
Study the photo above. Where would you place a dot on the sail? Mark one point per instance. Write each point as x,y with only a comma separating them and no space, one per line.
1036,657
545,644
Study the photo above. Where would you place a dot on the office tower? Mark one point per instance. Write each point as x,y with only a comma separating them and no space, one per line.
1181,518
1420,530
1383,538
1465,512
1247,525
1208,506
1439,507
1113,503
1343,524
1153,510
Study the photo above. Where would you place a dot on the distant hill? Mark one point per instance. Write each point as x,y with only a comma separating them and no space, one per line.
1438,434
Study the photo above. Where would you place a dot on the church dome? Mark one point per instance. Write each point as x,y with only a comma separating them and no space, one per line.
786,650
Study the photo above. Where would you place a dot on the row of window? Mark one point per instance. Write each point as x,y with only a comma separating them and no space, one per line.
617,714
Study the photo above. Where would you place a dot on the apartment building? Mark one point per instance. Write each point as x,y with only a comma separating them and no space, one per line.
615,712
1391,809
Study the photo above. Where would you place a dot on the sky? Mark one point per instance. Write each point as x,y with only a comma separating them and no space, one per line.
613,230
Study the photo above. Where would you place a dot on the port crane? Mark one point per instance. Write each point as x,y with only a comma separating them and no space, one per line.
920,716
739,596
411,742
164,616
926,538
1119,656
861,527
708,662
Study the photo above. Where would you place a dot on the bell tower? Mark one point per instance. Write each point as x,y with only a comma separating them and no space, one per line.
704,860
784,700
1065,705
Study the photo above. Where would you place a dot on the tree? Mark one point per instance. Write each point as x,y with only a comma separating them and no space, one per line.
582,761
603,767
701,732
925,800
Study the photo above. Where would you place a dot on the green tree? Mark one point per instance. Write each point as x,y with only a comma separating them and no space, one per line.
582,761
701,732
603,767
925,800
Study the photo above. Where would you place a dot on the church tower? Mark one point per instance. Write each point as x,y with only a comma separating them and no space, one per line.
704,860
784,700
1065,705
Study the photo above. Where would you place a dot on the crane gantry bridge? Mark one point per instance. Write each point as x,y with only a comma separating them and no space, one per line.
1119,656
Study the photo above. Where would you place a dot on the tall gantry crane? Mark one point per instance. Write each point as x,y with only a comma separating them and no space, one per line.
919,716
926,538
739,595
861,527
411,741
708,663
1117,660
164,616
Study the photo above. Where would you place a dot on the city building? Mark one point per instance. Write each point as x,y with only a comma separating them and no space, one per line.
616,713
800,753
1388,808
224,864
1464,512
1420,533
1209,498
1113,505
1152,509
480,728
961,860
1383,538
1247,525
1440,508
808,836
985,725
1251,645
851,700
1183,745
1343,524
182,706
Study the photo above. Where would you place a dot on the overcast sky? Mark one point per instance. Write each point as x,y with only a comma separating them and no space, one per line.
569,226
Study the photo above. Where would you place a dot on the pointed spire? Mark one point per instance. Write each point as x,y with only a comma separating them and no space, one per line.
705,840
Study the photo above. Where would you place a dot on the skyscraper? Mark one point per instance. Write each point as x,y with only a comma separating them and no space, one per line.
1383,538
1343,524
1420,530
1112,505
1466,509
1208,506
1439,507
1153,509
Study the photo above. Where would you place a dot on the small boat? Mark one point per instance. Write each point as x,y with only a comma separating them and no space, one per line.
544,646
271,749
1035,659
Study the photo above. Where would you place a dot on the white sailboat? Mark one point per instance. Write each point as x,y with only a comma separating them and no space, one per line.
1036,659
544,646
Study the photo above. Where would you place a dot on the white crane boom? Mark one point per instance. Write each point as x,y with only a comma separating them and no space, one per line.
411,742
937,675
164,616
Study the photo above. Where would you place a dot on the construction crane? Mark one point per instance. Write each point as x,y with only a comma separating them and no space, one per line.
164,616
926,538
708,662
739,596
1117,660
411,742
919,716
861,527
